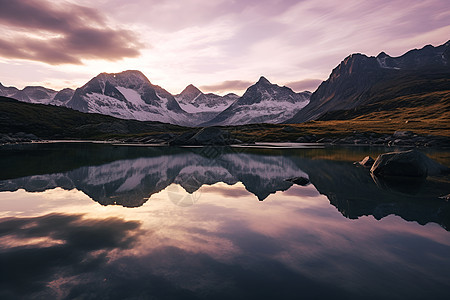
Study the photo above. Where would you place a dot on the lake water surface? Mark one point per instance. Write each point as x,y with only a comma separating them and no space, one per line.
90,221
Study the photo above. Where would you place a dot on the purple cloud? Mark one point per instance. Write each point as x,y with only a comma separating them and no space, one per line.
229,85
65,34
162,13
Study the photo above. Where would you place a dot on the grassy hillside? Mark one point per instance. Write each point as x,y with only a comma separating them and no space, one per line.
339,128
422,98
385,117
52,122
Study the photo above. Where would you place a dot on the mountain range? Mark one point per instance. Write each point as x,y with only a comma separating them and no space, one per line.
418,82
130,95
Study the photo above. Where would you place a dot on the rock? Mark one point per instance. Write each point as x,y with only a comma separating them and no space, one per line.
165,136
445,197
289,129
205,136
410,163
402,134
305,139
182,139
303,181
302,139
324,140
210,136
18,137
367,162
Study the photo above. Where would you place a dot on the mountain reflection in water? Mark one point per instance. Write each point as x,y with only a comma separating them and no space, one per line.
110,176
198,231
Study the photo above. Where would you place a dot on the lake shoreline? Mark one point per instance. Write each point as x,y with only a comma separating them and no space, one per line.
408,140
405,139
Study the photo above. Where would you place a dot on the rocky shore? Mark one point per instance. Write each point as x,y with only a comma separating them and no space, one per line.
221,136
18,138
398,138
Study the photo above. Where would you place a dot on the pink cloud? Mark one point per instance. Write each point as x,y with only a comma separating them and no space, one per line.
79,33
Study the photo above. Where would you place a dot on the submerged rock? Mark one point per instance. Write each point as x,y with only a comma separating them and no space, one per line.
410,163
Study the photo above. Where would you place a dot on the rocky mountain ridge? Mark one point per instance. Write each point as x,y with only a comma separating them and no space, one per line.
262,102
353,82
37,94
130,95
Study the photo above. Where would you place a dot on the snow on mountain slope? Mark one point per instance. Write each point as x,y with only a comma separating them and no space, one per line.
37,94
263,102
128,95
62,97
192,100
7,91
203,107
31,94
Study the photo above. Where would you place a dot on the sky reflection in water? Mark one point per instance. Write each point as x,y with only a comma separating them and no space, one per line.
227,244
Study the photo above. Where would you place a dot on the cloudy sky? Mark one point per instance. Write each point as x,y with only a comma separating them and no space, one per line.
217,45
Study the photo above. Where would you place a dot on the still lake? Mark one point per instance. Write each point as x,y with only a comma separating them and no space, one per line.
94,221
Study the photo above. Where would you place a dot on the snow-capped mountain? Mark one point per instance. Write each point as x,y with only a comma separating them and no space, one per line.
203,107
37,94
263,102
128,95
192,100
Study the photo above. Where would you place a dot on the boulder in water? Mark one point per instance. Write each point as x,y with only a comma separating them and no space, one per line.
410,163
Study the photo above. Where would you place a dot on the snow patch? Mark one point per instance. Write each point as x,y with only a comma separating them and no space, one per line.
131,95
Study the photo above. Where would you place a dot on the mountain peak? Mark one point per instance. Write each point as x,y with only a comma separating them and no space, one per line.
133,75
263,80
190,89
130,73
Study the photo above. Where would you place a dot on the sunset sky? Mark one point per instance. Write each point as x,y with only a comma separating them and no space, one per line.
219,46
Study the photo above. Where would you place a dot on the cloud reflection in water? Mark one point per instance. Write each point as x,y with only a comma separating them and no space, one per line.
227,244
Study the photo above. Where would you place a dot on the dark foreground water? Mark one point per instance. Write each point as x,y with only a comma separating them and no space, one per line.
91,221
